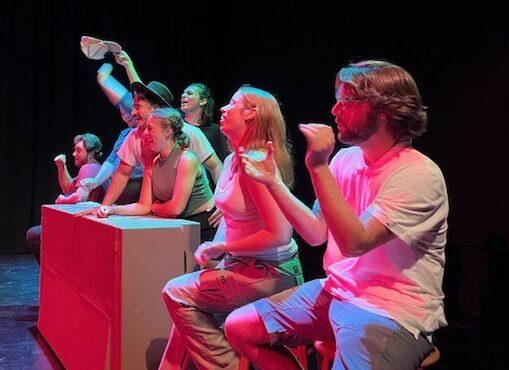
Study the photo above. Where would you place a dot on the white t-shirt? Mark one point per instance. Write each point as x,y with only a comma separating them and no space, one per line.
401,279
241,217
130,151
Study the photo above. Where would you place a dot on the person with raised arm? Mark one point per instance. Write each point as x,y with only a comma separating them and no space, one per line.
87,150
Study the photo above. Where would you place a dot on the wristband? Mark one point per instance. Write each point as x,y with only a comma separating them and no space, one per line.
104,210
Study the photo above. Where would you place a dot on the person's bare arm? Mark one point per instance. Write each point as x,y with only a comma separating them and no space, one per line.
80,195
262,168
214,165
64,179
90,183
187,168
354,235
124,60
118,183
142,207
111,87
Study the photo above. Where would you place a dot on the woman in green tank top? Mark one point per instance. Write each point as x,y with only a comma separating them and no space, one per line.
174,184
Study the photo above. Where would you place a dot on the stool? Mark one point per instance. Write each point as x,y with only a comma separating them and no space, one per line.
327,350
298,352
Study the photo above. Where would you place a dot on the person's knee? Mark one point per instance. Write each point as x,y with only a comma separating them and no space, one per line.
180,289
169,291
245,327
33,236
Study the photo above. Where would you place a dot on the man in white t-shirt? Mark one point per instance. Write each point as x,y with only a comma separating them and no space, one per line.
382,207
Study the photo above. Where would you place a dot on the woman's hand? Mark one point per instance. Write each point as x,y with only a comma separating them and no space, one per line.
87,212
261,166
215,218
157,209
207,251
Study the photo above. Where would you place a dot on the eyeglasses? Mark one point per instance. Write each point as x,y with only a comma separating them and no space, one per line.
350,100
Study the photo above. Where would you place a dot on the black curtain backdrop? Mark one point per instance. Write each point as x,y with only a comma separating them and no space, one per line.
49,92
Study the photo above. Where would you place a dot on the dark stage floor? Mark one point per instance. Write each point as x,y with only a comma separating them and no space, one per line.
21,344
464,344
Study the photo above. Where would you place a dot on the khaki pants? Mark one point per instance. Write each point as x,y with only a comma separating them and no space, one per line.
198,303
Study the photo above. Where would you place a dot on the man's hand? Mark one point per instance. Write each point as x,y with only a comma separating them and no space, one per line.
123,59
261,166
320,139
89,183
215,218
207,251
60,160
61,199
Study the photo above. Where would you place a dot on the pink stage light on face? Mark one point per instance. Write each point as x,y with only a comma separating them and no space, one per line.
354,116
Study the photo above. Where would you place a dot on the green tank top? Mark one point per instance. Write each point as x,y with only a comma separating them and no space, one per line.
164,173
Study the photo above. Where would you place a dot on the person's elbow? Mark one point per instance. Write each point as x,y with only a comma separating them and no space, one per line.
354,249
218,167
315,235
177,210
315,240
214,165
144,209
278,236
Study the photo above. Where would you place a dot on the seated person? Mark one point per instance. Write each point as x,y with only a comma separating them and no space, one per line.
148,98
382,206
121,98
260,256
174,182
87,148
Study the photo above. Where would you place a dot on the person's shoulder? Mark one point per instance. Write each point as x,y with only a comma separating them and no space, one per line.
347,154
228,160
229,157
89,169
190,129
414,167
349,151
189,158
133,134
125,131
87,166
188,154
418,162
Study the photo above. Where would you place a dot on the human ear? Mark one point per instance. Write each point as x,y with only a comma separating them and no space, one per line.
250,113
